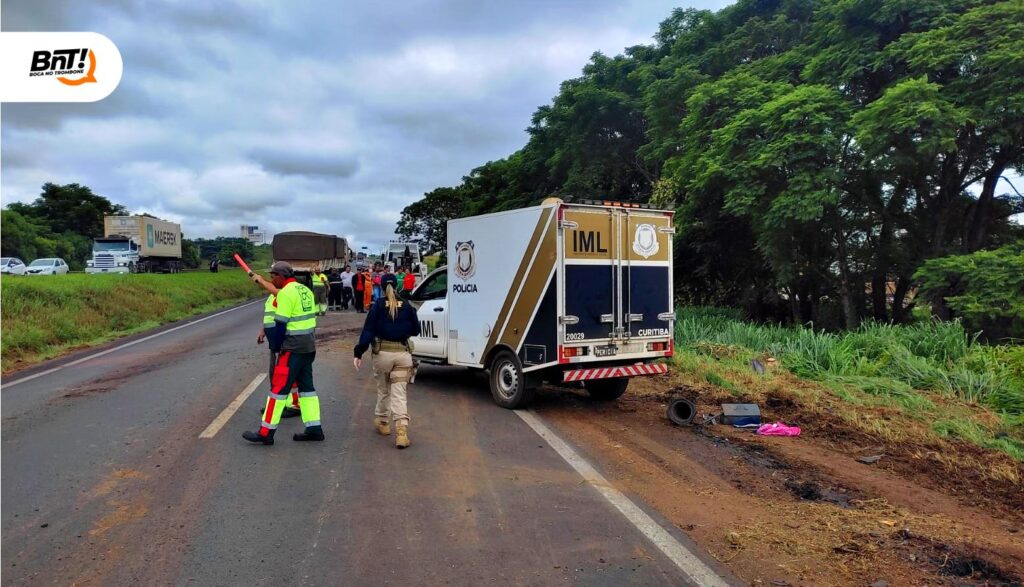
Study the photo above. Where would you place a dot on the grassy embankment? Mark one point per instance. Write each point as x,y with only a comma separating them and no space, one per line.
44,317
921,384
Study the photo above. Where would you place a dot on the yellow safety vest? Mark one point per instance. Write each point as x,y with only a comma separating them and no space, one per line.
320,280
269,311
296,308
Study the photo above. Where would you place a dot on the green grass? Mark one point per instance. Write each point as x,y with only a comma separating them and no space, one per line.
932,356
262,258
43,317
920,370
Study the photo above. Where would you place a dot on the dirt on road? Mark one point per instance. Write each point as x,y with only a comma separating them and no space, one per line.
799,511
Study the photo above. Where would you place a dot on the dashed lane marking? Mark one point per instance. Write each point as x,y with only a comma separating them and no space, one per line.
229,411
694,568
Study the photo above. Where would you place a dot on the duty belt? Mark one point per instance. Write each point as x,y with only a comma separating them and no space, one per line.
393,347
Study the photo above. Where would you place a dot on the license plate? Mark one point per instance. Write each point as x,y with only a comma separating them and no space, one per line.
605,351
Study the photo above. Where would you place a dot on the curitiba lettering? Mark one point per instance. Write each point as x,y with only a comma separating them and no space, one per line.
464,288
653,332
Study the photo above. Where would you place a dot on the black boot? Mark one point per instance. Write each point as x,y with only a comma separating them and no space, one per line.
312,433
290,412
257,438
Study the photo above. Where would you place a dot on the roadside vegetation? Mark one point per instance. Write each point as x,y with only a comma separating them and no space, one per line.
923,383
43,317
64,220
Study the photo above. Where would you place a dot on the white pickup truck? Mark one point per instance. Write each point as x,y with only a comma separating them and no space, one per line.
561,292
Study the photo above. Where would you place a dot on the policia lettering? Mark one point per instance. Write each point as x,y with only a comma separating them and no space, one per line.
388,328
292,337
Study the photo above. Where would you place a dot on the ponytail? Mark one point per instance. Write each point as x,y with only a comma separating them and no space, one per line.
392,301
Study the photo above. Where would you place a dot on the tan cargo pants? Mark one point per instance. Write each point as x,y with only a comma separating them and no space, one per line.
392,370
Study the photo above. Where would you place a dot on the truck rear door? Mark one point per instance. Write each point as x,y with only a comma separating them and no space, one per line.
590,241
646,264
617,269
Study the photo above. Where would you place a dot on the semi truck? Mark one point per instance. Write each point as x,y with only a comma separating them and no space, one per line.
394,257
136,244
306,251
573,293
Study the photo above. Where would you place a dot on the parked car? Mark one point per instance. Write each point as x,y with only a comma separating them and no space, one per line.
12,265
50,266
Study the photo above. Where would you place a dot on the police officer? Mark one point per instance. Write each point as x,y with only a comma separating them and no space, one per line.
389,326
292,338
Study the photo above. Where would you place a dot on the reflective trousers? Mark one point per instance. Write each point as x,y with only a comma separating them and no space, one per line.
320,294
291,369
270,377
392,370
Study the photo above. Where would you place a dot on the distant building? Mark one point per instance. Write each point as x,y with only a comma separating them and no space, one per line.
253,234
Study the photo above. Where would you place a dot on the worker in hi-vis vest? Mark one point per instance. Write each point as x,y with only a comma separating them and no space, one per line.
269,310
320,288
292,339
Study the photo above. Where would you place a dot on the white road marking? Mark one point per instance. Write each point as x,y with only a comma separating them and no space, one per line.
229,411
688,563
123,346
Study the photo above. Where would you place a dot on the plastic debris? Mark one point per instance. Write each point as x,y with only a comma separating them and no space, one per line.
778,429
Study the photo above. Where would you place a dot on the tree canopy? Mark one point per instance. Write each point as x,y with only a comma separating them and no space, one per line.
61,222
817,152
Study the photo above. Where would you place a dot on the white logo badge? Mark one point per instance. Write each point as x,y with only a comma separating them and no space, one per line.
645,240
465,260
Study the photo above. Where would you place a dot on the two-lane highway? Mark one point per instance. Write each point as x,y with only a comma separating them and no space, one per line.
106,480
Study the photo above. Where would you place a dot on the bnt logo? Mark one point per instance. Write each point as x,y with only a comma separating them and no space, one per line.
58,67
65,62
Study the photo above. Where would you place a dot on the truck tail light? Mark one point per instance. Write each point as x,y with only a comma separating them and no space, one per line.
657,346
574,351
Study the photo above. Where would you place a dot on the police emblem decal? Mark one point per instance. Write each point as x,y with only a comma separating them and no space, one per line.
465,260
645,240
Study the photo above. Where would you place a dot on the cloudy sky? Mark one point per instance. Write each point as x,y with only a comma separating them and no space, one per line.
303,115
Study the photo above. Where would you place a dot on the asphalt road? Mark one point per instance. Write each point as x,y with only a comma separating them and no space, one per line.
106,481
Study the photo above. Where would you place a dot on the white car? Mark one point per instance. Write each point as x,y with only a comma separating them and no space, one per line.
50,266
12,265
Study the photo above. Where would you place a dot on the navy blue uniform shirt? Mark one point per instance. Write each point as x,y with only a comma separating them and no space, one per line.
380,325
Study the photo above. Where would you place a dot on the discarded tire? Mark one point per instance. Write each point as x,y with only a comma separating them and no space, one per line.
681,411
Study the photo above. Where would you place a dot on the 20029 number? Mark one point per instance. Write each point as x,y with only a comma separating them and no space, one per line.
574,336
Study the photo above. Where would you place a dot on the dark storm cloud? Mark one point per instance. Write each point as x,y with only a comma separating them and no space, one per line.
292,162
308,115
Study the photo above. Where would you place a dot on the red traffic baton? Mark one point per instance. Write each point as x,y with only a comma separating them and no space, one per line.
242,264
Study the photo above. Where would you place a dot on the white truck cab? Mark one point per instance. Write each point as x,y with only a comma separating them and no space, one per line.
560,292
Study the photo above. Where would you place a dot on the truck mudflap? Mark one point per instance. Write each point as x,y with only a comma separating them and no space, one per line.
614,372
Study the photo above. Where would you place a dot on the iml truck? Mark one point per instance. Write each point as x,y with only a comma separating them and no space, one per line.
576,293
136,244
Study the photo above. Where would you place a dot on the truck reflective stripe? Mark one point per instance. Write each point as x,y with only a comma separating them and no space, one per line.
613,372
297,318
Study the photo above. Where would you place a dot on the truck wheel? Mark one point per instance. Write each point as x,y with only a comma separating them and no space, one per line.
132,268
606,389
508,382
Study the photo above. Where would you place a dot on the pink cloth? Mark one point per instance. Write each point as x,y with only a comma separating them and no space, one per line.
778,429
